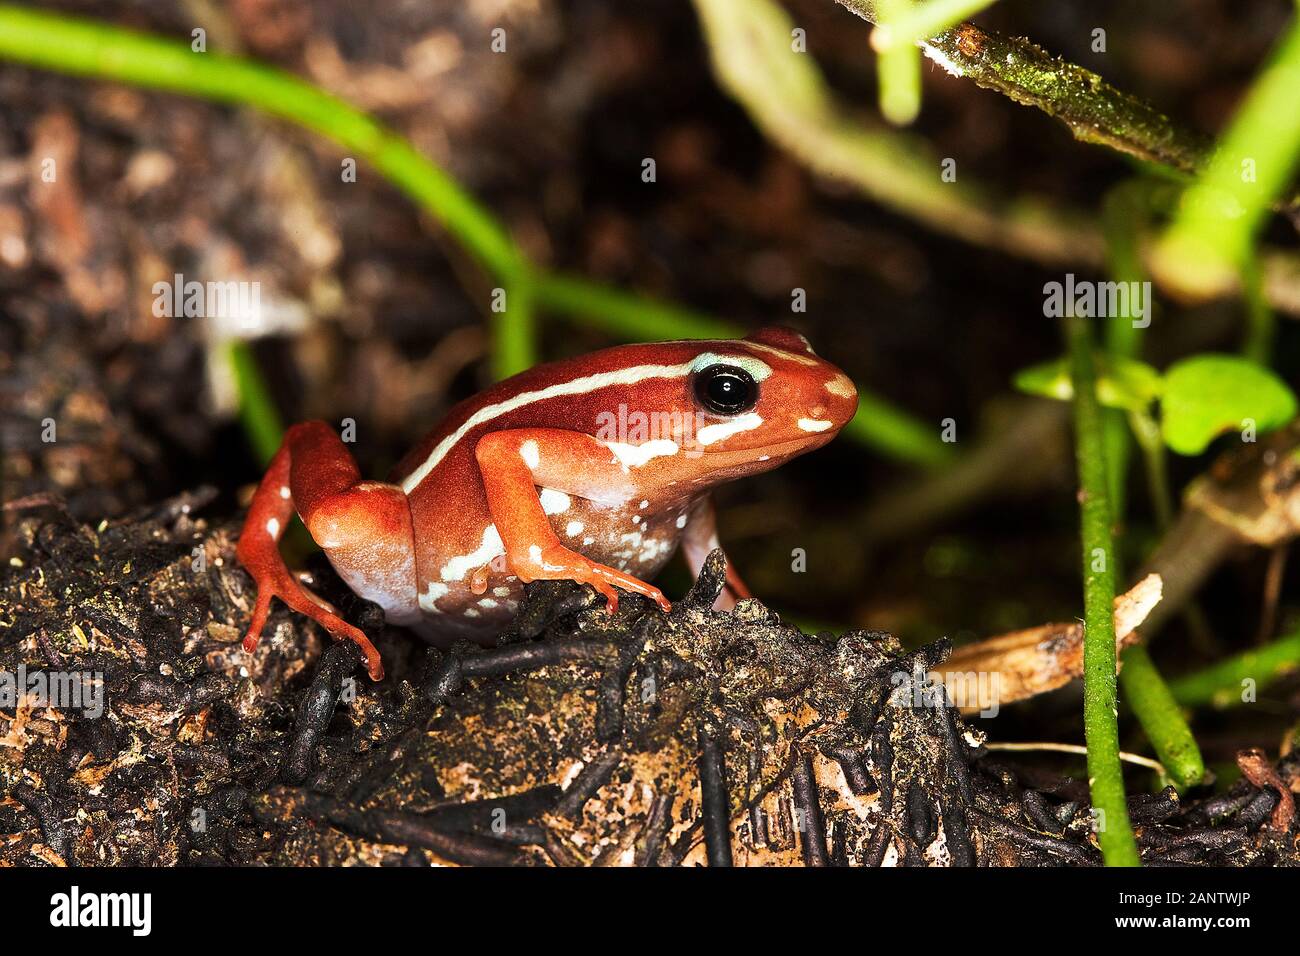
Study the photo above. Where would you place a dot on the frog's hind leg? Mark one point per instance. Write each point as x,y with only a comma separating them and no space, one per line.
363,527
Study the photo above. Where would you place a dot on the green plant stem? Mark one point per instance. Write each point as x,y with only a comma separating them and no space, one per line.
87,48
899,69
1210,240
1156,708
1261,322
514,330
1095,111
1146,430
1125,210
623,315
257,413
881,426
1221,685
1145,690
1101,730
84,47
789,100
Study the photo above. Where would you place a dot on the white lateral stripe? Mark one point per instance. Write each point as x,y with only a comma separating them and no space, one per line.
742,423
577,386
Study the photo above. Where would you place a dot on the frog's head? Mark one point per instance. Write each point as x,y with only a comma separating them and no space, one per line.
691,413
763,399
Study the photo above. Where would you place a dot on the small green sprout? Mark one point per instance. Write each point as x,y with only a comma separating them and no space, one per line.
1126,384
1199,398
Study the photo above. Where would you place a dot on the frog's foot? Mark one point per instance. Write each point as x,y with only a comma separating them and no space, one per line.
259,552
278,582
557,563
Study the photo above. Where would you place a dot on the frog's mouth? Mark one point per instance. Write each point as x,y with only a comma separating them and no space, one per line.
773,450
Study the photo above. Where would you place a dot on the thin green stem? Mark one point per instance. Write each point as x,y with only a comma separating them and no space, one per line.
899,69
623,315
1156,708
1101,729
1124,212
87,48
1210,240
1234,680
881,426
1147,432
257,413
514,329
1261,322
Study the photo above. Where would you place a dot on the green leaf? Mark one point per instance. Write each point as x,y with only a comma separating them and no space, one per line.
1207,395
1121,383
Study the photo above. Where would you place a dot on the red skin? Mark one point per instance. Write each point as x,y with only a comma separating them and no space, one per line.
446,546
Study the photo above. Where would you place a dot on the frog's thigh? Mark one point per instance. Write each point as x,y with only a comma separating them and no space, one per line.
366,533
515,463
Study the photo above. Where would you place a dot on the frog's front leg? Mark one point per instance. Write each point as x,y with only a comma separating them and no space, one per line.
699,537
513,464
364,528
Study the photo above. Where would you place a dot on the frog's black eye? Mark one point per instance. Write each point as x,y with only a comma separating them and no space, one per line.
725,389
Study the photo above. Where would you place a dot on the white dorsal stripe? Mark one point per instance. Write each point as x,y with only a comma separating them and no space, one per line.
576,386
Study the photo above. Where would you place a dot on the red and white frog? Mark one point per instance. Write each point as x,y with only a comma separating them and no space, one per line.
591,469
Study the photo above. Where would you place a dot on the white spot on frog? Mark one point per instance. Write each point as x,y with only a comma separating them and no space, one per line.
681,521
841,386
531,456
814,424
654,547
429,599
456,568
554,502
273,527
574,528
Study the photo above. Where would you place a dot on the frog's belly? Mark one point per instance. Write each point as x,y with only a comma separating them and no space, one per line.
628,539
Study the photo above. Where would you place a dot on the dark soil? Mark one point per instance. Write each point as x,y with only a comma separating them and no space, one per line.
582,739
